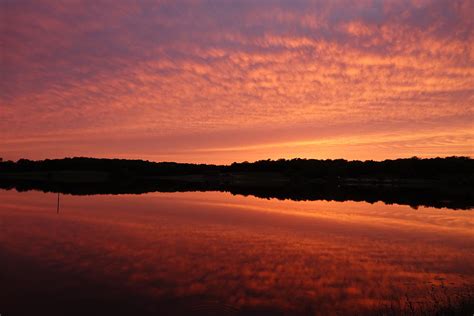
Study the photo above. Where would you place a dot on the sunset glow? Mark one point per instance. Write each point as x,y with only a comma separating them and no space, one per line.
224,81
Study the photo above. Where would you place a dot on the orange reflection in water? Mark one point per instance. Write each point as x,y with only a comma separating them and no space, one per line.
169,252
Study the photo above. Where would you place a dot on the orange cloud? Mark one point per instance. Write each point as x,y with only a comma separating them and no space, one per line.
133,74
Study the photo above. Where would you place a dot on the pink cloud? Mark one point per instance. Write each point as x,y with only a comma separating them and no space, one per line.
128,74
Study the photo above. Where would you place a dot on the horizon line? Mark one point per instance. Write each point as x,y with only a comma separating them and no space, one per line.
244,161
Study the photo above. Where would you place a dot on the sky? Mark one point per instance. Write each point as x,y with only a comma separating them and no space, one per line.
223,81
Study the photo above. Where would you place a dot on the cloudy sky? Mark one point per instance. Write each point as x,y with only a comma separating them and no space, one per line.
222,81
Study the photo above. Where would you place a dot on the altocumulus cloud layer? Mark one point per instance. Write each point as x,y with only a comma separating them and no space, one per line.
218,81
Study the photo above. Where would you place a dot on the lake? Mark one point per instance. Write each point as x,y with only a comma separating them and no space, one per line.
214,253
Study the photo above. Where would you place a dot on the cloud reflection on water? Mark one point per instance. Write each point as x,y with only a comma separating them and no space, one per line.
243,252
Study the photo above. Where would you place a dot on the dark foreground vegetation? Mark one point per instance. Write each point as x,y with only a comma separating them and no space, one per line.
438,182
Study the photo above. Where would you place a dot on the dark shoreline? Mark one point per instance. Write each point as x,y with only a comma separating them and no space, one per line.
438,182
414,193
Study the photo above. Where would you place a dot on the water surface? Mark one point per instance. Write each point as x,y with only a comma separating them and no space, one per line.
213,253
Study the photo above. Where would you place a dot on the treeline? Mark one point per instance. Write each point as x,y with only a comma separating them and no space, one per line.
411,168
450,168
111,166
439,182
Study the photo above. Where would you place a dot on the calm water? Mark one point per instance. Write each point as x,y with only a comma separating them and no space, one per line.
217,254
